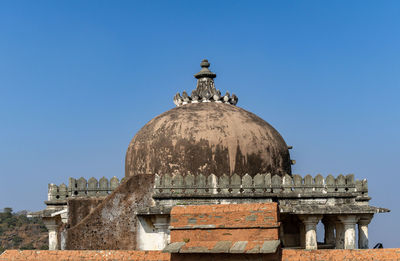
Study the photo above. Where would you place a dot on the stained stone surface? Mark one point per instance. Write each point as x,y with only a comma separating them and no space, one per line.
207,138
112,224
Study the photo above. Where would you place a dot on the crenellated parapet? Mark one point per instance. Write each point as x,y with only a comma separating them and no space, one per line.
261,185
82,188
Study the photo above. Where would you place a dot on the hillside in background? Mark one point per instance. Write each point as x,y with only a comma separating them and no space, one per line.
19,232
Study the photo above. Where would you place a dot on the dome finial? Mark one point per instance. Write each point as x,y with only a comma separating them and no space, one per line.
205,63
205,72
205,90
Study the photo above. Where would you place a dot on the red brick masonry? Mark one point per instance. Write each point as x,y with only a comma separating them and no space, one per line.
341,254
61,255
216,228
286,255
263,215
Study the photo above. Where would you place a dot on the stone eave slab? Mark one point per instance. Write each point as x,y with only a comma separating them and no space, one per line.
232,247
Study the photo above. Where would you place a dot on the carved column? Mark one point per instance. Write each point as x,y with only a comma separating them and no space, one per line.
310,224
339,239
363,231
52,226
349,223
302,235
329,226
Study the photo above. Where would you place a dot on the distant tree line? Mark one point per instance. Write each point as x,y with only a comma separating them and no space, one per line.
17,231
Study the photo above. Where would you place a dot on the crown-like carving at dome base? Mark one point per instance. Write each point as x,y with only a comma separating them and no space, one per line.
205,90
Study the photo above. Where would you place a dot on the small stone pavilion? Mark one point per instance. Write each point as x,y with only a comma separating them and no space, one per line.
209,177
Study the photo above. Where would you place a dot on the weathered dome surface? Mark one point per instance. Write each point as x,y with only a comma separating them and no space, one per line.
207,138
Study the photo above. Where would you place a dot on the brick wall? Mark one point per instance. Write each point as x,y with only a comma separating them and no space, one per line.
226,216
248,234
61,255
285,255
224,228
391,254
241,222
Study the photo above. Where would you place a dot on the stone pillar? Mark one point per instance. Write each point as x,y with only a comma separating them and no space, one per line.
363,231
302,235
349,223
161,223
63,232
310,224
339,240
329,226
282,235
63,239
52,226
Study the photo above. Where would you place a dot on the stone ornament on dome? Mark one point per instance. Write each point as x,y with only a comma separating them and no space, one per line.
205,90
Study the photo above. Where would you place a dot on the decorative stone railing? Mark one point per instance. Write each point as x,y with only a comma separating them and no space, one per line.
261,185
82,188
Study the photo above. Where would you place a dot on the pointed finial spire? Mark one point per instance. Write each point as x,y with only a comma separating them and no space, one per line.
205,90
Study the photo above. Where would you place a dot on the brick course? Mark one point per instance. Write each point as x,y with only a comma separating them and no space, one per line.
248,234
218,228
226,216
390,254
61,255
234,222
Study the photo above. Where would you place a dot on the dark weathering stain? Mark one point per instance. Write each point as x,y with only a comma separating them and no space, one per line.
167,143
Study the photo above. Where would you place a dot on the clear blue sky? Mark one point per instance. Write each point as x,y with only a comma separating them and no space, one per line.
79,78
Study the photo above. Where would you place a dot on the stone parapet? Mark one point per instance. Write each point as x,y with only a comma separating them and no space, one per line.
81,188
261,185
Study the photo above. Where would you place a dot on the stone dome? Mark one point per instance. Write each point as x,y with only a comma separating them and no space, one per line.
207,134
207,137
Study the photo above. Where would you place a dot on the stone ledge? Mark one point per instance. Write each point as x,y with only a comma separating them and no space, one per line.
322,209
210,227
160,195
238,247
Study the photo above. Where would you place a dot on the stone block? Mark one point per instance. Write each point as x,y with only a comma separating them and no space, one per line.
238,247
270,247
